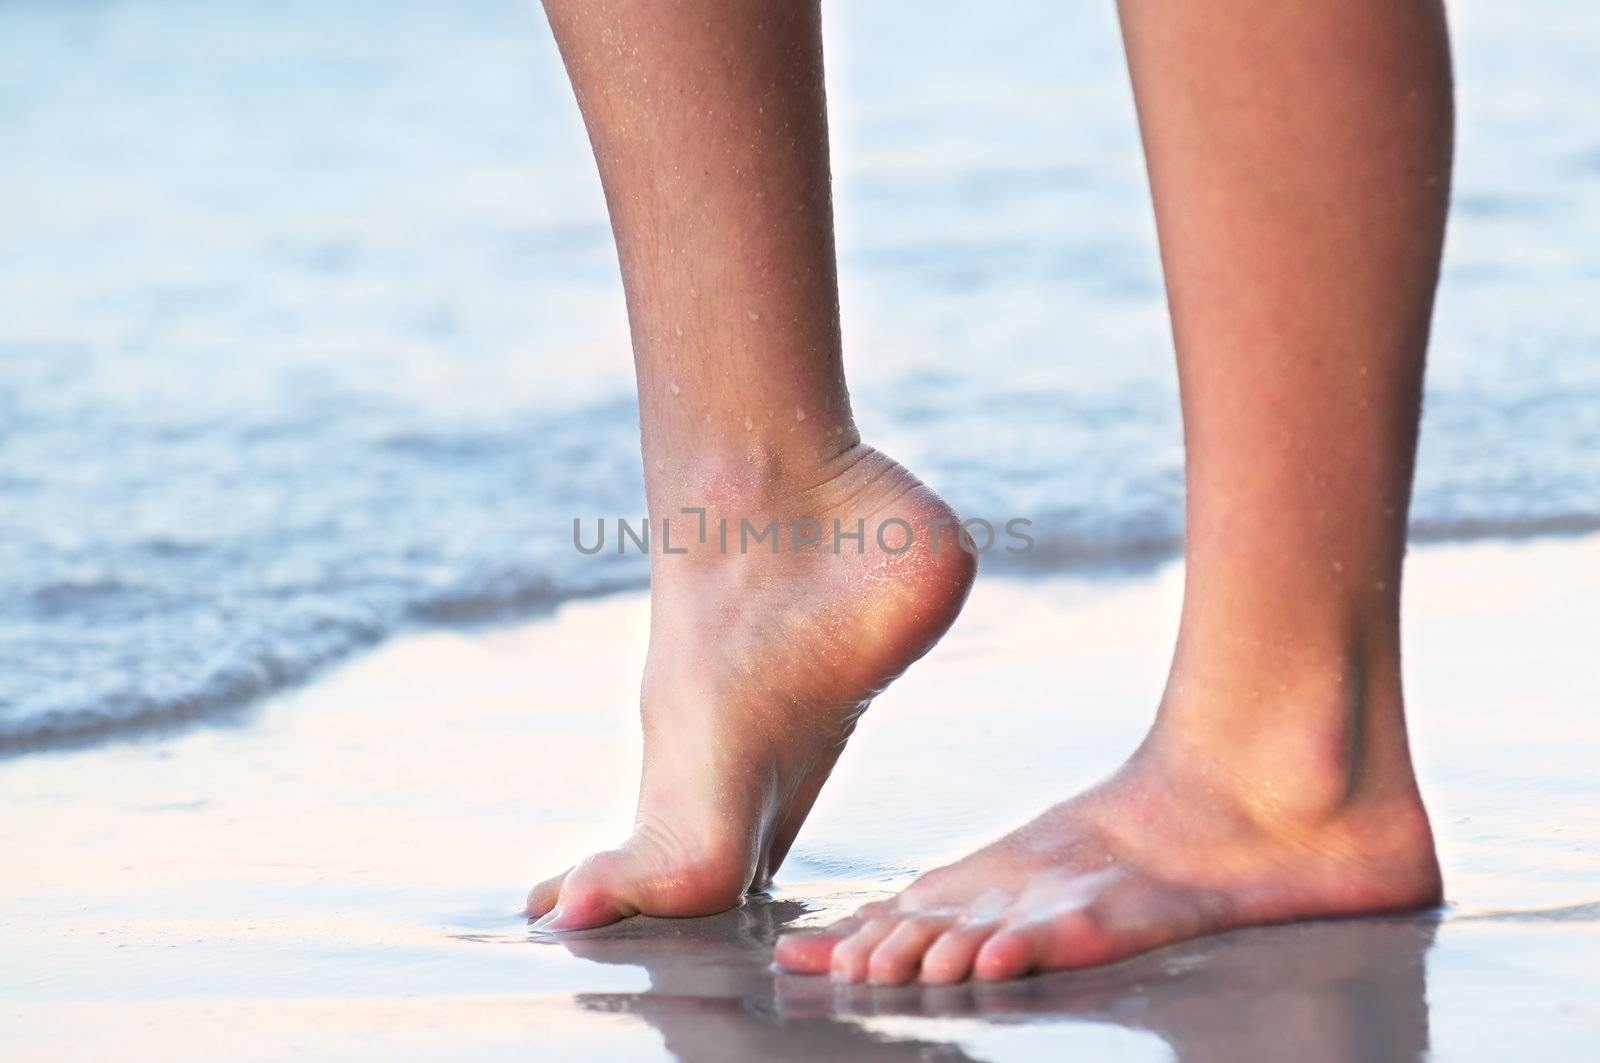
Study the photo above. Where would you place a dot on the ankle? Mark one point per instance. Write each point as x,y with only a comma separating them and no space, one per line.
752,480
1297,739
765,502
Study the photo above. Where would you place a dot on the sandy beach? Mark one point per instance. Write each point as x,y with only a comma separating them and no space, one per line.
336,872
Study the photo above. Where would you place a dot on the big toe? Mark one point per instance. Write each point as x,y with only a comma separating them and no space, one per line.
809,951
543,897
601,890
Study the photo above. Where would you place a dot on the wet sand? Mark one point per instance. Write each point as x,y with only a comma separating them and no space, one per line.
337,872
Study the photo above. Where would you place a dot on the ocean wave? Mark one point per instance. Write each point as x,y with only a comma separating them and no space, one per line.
249,667
270,395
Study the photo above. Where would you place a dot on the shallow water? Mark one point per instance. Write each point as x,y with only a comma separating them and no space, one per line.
339,878
312,329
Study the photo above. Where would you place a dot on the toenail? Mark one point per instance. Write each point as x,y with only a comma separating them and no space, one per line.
545,920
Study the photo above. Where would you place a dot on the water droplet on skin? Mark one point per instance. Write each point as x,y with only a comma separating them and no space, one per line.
1338,566
754,316
748,424
799,414
677,330
673,387
694,293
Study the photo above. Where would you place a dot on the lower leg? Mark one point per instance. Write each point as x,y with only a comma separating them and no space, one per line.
1299,156
708,124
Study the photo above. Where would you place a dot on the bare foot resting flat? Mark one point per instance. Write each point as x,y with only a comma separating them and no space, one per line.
1174,846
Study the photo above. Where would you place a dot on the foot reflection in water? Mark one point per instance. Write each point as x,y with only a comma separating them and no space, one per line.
1325,991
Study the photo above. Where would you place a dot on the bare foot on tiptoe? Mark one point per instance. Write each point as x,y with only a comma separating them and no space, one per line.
1179,843
759,665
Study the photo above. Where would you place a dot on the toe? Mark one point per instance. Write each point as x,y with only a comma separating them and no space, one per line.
850,956
1007,953
639,876
898,956
811,951
949,958
599,891
543,897
1056,942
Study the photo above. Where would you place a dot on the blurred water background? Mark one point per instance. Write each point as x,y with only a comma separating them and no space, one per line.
310,327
